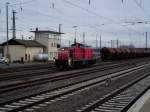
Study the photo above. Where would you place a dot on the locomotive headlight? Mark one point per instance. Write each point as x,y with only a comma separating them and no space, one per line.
69,61
54,59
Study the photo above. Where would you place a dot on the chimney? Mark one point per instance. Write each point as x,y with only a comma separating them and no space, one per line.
59,28
36,29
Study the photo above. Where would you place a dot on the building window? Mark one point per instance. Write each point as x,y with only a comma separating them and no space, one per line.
55,54
55,36
53,44
50,54
50,36
58,45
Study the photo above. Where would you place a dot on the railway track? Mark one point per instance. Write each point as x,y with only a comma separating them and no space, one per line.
33,82
27,70
37,72
24,68
121,99
29,103
47,69
23,74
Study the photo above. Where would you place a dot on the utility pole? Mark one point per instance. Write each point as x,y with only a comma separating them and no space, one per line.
69,43
84,38
22,37
117,43
100,42
75,28
75,40
14,25
111,43
7,53
96,41
75,35
60,33
89,2
146,41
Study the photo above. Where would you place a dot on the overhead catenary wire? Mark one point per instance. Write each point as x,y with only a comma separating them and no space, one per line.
53,17
76,6
25,2
98,15
29,2
140,6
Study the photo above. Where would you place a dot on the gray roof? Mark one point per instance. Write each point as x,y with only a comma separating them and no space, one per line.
26,43
47,31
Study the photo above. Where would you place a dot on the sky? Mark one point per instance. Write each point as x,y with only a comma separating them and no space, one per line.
125,21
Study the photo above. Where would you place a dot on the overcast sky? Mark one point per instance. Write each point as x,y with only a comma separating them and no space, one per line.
111,19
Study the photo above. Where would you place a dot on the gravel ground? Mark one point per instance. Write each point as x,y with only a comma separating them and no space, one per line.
28,91
29,78
74,102
36,89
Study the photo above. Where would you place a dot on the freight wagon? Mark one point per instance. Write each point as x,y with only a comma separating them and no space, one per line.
123,53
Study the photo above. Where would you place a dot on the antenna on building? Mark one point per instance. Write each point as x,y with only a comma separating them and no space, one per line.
14,25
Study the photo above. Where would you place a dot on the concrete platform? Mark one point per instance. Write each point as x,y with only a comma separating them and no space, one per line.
142,105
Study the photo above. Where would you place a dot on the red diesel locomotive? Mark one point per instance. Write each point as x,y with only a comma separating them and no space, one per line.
75,56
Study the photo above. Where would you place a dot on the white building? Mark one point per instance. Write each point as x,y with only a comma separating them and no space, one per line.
50,39
22,50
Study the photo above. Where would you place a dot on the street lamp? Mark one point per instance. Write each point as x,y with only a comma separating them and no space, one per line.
7,53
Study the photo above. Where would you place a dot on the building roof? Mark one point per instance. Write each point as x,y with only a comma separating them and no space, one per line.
47,31
26,43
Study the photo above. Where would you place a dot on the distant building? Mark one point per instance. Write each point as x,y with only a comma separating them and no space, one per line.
50,39
22,50
127,46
